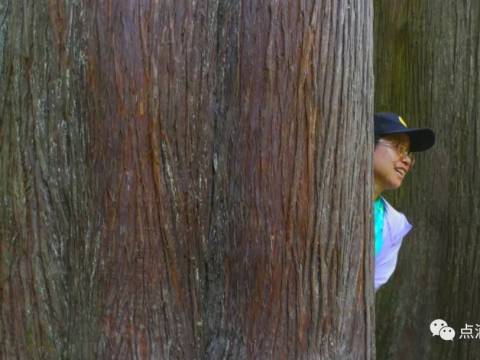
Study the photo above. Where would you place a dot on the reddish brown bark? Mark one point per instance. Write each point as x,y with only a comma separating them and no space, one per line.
187,180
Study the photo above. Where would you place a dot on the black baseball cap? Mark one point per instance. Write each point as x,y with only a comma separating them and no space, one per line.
421,139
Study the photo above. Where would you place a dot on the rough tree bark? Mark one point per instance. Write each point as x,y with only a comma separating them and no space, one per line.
427,67
186,179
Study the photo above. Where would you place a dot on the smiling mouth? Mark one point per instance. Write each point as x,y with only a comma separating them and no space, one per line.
401,172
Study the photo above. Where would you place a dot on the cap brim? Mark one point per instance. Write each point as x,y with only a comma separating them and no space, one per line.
421,139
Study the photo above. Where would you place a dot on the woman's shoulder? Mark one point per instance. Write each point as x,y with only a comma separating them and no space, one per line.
397,221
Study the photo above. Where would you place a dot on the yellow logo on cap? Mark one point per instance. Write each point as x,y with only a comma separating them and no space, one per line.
402,121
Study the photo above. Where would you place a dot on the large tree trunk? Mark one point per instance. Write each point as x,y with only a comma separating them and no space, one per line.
427,67
186,180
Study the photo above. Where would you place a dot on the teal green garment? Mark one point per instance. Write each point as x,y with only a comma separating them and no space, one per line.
378,212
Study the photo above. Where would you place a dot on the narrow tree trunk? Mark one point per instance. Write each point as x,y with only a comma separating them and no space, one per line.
186,180
427,67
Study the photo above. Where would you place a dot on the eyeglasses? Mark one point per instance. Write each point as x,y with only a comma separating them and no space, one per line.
401,149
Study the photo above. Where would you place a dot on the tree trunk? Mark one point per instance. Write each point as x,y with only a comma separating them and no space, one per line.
186,180
427,67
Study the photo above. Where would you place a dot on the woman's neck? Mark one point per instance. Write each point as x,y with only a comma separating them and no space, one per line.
377,191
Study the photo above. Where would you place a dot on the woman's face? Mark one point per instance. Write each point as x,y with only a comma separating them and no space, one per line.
389,165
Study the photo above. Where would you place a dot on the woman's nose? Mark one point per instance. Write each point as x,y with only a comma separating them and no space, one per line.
408,161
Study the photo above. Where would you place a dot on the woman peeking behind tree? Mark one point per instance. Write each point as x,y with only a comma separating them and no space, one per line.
393,158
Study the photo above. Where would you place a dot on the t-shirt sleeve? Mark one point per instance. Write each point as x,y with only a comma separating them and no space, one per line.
397,227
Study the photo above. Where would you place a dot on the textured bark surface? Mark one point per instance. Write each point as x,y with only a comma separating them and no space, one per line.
186,180
427,67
